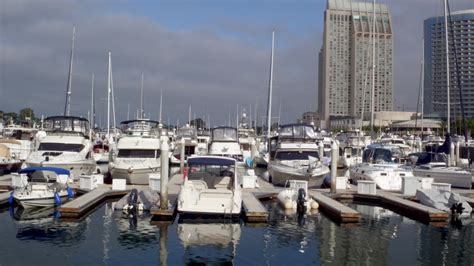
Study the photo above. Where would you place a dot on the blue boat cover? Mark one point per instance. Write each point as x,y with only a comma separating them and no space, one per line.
58,171
210,160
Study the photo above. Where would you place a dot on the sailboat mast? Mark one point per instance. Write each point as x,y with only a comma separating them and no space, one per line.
161,105
372,92
422,84
448,107
67,106
108,94
141,99
92,117
270,89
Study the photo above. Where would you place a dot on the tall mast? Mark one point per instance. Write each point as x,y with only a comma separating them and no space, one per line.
67,106
189,115
108,94
448,107
92,104
372,93
161,105
141,100
422,84
113,98
270,89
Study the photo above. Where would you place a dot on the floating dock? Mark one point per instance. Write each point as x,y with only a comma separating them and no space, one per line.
334,208
81,205
254,210
174,185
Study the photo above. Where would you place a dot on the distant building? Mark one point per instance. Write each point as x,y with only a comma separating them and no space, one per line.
435,90
345,60
310,118
381,119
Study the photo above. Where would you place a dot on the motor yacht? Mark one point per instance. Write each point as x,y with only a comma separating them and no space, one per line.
66,145
138,152
294,155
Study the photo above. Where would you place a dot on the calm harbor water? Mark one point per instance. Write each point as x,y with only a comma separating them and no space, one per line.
110,237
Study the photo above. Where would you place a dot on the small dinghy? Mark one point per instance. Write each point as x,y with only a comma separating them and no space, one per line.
295,196
446,201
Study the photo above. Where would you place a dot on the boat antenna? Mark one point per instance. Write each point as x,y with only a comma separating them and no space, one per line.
67,106
270,89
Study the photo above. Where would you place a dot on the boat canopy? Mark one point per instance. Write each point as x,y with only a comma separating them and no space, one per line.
380,152
58,171
210,160
68,124
224,134
297,131
187,132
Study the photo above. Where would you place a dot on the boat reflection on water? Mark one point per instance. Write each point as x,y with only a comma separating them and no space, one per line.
209,243
134,229
43,225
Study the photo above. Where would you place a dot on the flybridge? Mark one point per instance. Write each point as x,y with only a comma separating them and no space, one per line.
67,124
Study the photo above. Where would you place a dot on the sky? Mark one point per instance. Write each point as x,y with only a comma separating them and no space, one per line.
211,55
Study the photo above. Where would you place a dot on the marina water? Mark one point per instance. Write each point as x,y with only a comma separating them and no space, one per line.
110,237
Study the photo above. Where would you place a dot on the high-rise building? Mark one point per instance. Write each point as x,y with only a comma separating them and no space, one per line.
345,60
435,85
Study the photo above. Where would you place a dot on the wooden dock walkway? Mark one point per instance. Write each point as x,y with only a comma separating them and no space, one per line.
254,210
77,207
174,185
334,208
405,207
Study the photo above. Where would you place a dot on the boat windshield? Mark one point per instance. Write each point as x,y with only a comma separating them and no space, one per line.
224,134
297,132
129,153
67,124
201,172
377,155
296,155
49,146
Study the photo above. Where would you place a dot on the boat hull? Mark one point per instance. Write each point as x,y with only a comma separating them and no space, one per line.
39,202
76,168
280,175
460,179
137,176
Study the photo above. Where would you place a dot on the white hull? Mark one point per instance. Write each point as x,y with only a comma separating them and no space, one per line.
85,167
280,174
451,175
36,201
386,176
139,176
200,200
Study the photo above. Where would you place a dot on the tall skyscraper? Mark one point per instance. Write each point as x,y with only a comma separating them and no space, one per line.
345,60
435,85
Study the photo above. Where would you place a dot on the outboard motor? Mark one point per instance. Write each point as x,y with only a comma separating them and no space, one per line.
132,201
301,201
457,209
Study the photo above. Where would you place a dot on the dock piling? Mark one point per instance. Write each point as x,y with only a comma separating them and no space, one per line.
334,159
181,158
164,173
321,149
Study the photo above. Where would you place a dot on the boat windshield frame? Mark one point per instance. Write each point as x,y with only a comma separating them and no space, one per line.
227,134
300,132
67,124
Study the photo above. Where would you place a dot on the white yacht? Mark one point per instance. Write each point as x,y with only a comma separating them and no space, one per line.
382,164
203,139
21,140
294,156
66,145
433,165
225,142
351,151
49,188
188,135
8,161
211,187
138,152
